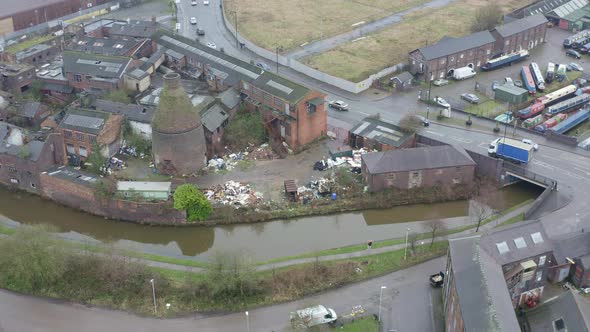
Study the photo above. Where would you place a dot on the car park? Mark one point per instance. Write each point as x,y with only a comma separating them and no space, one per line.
530,142
441,102
263,66
575,66
200,32
339,105
440,82
470,97
573,53
193,20
211,45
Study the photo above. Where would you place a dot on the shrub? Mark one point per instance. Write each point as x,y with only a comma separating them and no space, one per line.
189,198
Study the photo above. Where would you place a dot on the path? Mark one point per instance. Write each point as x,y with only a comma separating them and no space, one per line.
324,45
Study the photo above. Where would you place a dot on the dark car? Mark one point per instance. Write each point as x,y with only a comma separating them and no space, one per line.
470,97
424,121
573,54
200,32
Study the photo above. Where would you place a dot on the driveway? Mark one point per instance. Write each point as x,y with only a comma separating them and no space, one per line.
407,305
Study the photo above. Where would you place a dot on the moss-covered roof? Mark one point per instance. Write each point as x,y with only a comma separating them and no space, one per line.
175,112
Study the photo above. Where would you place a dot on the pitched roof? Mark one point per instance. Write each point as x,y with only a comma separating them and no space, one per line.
381,131
571,246
94,65
481,288
570,307
86,121
281,87
133,112
517,242
520,25
214,117
63,88
450,45
230,98
414,159
139,29
30,109
104,46
404,76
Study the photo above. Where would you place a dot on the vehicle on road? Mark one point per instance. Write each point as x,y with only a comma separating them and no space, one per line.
338,105
425,122
508,81
193,20
463,73
470,97
440,82
193,2
573,54
437,280
495,85
211,45
206,2
312,316
441,102
530,142
576,67
263,66
200,32
511,150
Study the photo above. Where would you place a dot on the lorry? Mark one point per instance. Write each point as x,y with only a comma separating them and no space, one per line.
312,316
463,73
511,150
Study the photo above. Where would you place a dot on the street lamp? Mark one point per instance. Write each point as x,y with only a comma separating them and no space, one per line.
154,295
380,301
406,249
278,49
429,88
247,321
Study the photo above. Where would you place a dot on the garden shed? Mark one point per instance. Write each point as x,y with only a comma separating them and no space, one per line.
511,94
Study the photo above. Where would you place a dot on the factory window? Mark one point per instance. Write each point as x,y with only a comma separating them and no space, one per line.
488,52
70,149
507,42
442,61
80,136
78,78
92,138
542,260
83,152
11,169
67,133
461,56
311,108
539,276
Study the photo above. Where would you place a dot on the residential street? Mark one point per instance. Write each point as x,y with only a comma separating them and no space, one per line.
407,306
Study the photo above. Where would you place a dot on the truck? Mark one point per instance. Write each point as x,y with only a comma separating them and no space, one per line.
572,121
463,73
312,316
505,60
511,150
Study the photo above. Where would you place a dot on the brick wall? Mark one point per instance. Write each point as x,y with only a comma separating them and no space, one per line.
441,66
310,126
82,197
444,178
524,40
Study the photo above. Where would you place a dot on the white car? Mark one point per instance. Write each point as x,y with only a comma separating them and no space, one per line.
212,45
206,2
339,105
441,102
529,142
193,2
193,20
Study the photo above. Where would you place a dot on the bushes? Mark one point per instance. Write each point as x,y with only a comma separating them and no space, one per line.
245,127
189,198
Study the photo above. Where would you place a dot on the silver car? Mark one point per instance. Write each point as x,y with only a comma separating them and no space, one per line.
440,82
470,97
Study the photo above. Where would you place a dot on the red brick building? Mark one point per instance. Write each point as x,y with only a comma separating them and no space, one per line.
375,134
16,78
85,70
522,34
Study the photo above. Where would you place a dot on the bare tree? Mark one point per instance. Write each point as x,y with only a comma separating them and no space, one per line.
409,123
480,206
434,227
487,17
412,240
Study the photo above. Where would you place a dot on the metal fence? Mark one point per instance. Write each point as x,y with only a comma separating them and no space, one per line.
518,170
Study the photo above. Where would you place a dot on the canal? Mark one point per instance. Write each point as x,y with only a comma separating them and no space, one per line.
261,240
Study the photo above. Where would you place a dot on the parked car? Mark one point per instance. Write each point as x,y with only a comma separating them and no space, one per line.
263,66
470,97
339,105
441,102
508,81
575,66
200,32
193,20
530,142
206,2
573,53
423,120
518,83
211,45
440,82
193,2
495,85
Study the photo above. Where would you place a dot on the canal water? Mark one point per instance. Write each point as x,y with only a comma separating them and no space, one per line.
261,240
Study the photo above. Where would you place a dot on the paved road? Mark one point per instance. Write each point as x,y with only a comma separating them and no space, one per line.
324,45
407,291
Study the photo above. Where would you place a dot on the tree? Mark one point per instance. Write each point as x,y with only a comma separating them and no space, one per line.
120,96
435,226
232,276
95,160
480,206
409,123
487,17
189,198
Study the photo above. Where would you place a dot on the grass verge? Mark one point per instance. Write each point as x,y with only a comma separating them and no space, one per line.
367,324
512,220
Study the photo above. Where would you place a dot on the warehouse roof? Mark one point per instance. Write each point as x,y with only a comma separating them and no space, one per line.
133,112
105,46
521,25
450,45
138,29
567,312
94,65
84,121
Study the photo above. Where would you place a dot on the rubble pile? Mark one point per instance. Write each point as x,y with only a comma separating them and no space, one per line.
316,188
233,193
113,164
229,162
353,163
131,151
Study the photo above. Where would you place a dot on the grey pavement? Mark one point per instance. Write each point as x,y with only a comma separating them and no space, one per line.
326,44
407,305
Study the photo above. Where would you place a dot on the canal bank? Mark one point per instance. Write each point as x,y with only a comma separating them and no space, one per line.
262,241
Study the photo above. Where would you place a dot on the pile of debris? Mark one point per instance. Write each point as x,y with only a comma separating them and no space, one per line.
228,162
113,164
353,163
316,189
233,193
131,151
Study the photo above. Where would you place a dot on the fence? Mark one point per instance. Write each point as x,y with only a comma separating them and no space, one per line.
297,66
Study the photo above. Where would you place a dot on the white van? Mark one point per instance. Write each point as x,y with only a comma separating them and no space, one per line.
463,73
313,316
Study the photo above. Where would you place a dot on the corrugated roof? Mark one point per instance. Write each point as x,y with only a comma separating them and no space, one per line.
84,121
521,25
230,98
449,45
94,65
381,131
214,117
143,186
429,157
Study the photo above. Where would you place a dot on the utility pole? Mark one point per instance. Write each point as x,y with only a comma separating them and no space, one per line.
154,295
278,49
429,89
236,22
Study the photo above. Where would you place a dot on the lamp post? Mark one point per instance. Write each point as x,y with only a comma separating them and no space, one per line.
406,249
154,296
429,89
247,321
380,301
236,22
278,49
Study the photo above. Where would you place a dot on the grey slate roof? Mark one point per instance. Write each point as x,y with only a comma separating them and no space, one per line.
521,25
133,112
104,46
571,307
430,157
33,50
571,246
230,98
63,88
85,121
30,109
481,288
94,65
404,77
34,147
137,29
524,230
137,74
380,131
281,87
214,117
449,45
73,175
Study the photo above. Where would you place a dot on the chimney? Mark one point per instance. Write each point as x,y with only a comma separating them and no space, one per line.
172,80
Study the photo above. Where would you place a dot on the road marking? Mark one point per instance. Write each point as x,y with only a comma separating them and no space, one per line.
435,133
483,145
543,164
582,170
363,113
